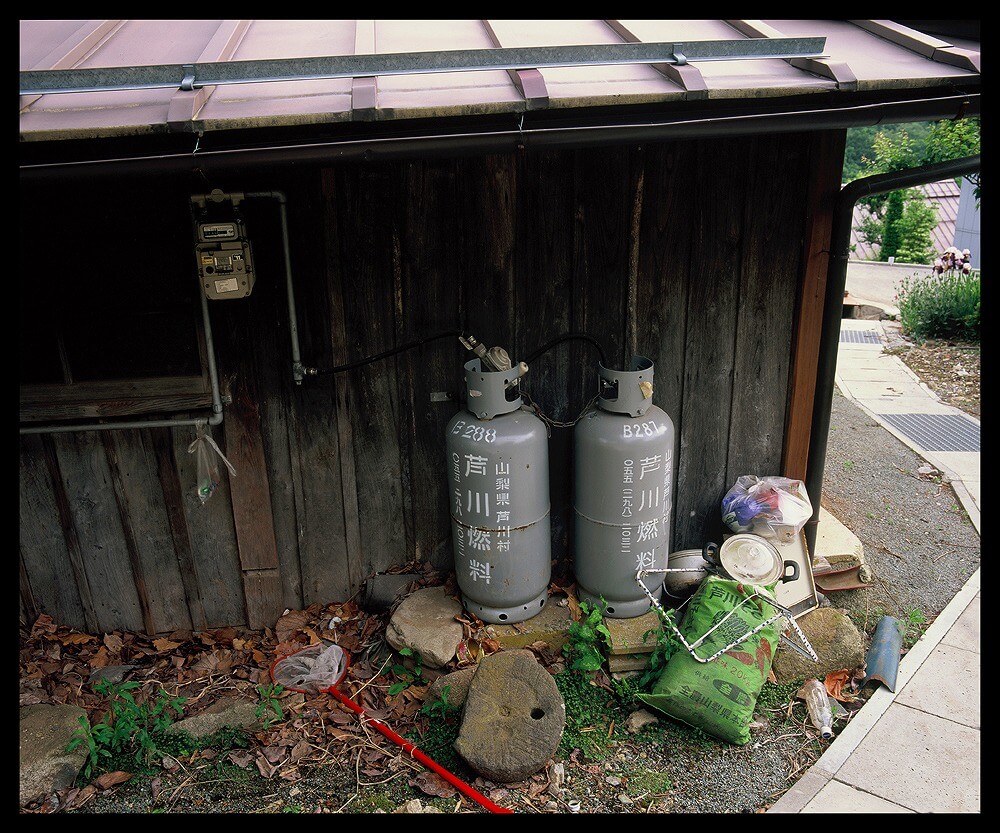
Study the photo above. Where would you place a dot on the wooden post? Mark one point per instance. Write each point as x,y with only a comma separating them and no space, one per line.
827,167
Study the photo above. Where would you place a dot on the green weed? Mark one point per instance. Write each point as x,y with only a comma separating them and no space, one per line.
589,639
406,675
132,729
914,625
269,709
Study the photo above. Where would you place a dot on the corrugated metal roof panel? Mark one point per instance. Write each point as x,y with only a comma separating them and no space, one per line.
870,55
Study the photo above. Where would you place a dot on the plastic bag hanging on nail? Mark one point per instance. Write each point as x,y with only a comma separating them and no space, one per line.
208,455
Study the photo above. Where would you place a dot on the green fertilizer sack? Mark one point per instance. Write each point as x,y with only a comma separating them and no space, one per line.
719,696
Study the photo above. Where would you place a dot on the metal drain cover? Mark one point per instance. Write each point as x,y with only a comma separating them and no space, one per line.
937,432
860,337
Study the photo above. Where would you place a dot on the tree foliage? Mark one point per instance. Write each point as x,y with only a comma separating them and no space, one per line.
900,222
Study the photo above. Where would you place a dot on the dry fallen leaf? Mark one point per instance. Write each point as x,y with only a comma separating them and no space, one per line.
113,642
110,779
291,622
835,682
165,645
433,784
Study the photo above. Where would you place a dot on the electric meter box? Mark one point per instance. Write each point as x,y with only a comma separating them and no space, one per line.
225,264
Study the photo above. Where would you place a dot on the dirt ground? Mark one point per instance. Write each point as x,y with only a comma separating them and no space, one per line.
950,369
320,758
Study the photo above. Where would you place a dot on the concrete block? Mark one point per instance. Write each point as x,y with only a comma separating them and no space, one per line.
636,635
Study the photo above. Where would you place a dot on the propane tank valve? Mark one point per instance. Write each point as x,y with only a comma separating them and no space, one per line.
496,358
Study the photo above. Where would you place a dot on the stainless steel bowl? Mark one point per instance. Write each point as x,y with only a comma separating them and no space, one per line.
680,585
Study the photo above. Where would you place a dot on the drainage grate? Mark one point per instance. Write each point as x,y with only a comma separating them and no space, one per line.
860,337
937,432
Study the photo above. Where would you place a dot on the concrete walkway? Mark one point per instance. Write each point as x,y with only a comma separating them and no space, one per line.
916,750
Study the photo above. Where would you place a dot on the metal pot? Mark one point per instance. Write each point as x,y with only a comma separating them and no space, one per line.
686,569
750,559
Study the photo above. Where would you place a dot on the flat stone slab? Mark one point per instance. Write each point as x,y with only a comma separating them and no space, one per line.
513,718
636,635
46,766
550,625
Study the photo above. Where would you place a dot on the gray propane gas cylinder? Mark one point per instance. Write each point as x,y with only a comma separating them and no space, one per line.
623,496
498,476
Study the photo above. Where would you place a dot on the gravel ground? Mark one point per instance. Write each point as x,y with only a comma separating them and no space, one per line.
921,549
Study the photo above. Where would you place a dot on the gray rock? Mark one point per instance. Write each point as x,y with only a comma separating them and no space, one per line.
513,717
834,638
46,766
638,720
415,805
227,712
457,683
425,623
112,673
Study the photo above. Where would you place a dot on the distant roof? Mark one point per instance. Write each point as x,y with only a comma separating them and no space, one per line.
944,196
87,79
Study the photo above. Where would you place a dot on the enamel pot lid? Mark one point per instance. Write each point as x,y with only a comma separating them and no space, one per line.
750,559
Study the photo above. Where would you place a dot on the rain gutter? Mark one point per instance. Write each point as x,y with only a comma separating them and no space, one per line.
520,137
833,308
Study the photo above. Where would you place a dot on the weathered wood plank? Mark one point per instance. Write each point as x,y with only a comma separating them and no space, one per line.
124,495
87,482
28,608
606,190
50,553
717,210
173,504
250,494
330,552
543,294
367,256
155,563
261,588
272,365
767,297
662,284
430,277
826,151
213,534
249,486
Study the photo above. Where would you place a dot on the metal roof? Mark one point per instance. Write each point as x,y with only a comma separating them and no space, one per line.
390,71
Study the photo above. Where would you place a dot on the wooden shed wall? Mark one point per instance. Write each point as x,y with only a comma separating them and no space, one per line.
690,253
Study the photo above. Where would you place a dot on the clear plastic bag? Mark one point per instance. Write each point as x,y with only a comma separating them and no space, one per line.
208,455
772,507
317,668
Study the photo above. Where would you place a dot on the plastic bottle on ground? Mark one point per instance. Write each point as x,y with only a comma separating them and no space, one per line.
818,703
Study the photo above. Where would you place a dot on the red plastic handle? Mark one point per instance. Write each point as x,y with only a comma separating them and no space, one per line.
456,782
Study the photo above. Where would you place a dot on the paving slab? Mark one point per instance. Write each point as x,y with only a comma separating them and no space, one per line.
836,797
966,630
926,763
947,684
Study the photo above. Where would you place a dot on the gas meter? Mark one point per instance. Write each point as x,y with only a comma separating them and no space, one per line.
222,248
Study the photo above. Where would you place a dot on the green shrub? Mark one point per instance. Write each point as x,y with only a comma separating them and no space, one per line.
940,306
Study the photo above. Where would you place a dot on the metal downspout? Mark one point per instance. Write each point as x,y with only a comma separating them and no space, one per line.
833,308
